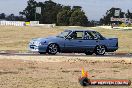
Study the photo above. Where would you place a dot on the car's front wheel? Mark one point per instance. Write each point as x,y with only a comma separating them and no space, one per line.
52,49
100,50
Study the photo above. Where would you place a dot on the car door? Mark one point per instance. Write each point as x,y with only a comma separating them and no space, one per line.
74,42
90,42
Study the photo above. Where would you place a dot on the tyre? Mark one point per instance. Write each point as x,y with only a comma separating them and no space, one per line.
100,50
85,82
52,49
88,53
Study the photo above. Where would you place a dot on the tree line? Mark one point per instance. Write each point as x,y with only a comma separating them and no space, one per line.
11,17
52,12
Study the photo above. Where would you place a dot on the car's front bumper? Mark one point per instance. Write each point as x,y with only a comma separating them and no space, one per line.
35,48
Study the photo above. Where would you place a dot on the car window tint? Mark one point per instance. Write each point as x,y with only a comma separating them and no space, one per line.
88,36
77,35
96,35
64,34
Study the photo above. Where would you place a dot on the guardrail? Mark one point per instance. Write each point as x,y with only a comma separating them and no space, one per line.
12,23
22,23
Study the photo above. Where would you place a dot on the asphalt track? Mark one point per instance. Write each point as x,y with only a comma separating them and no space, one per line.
69,54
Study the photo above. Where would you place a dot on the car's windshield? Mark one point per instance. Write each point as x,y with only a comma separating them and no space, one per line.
63,34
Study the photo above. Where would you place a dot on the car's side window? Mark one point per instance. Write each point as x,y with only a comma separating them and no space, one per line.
77,35
88,36
96,35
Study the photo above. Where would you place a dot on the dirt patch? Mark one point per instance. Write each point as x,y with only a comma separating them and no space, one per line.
60,72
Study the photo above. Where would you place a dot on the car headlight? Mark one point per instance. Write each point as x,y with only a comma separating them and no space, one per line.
42,43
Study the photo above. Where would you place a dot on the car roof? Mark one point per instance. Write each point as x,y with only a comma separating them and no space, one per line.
79,30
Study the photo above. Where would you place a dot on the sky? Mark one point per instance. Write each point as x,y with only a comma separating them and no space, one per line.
94,9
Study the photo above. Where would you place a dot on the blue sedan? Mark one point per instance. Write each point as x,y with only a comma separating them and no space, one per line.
75,41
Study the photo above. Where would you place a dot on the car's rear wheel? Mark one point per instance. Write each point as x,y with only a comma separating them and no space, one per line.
100,50
52,49
88,53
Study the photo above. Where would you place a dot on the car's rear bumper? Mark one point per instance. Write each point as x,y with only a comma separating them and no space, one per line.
112,49
35,48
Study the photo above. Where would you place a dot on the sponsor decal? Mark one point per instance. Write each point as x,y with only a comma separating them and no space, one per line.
84,80
117,12
126,20
38,10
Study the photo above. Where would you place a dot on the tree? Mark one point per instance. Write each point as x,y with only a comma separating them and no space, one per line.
50,11
66,8
11,17
64,16
76,8
2,16
78,18
128,14
19,18
29,11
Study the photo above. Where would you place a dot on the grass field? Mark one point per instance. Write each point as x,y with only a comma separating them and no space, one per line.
17,38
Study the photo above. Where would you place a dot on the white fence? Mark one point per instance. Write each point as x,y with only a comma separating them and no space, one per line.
12,23
45,25
36,23
22,23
